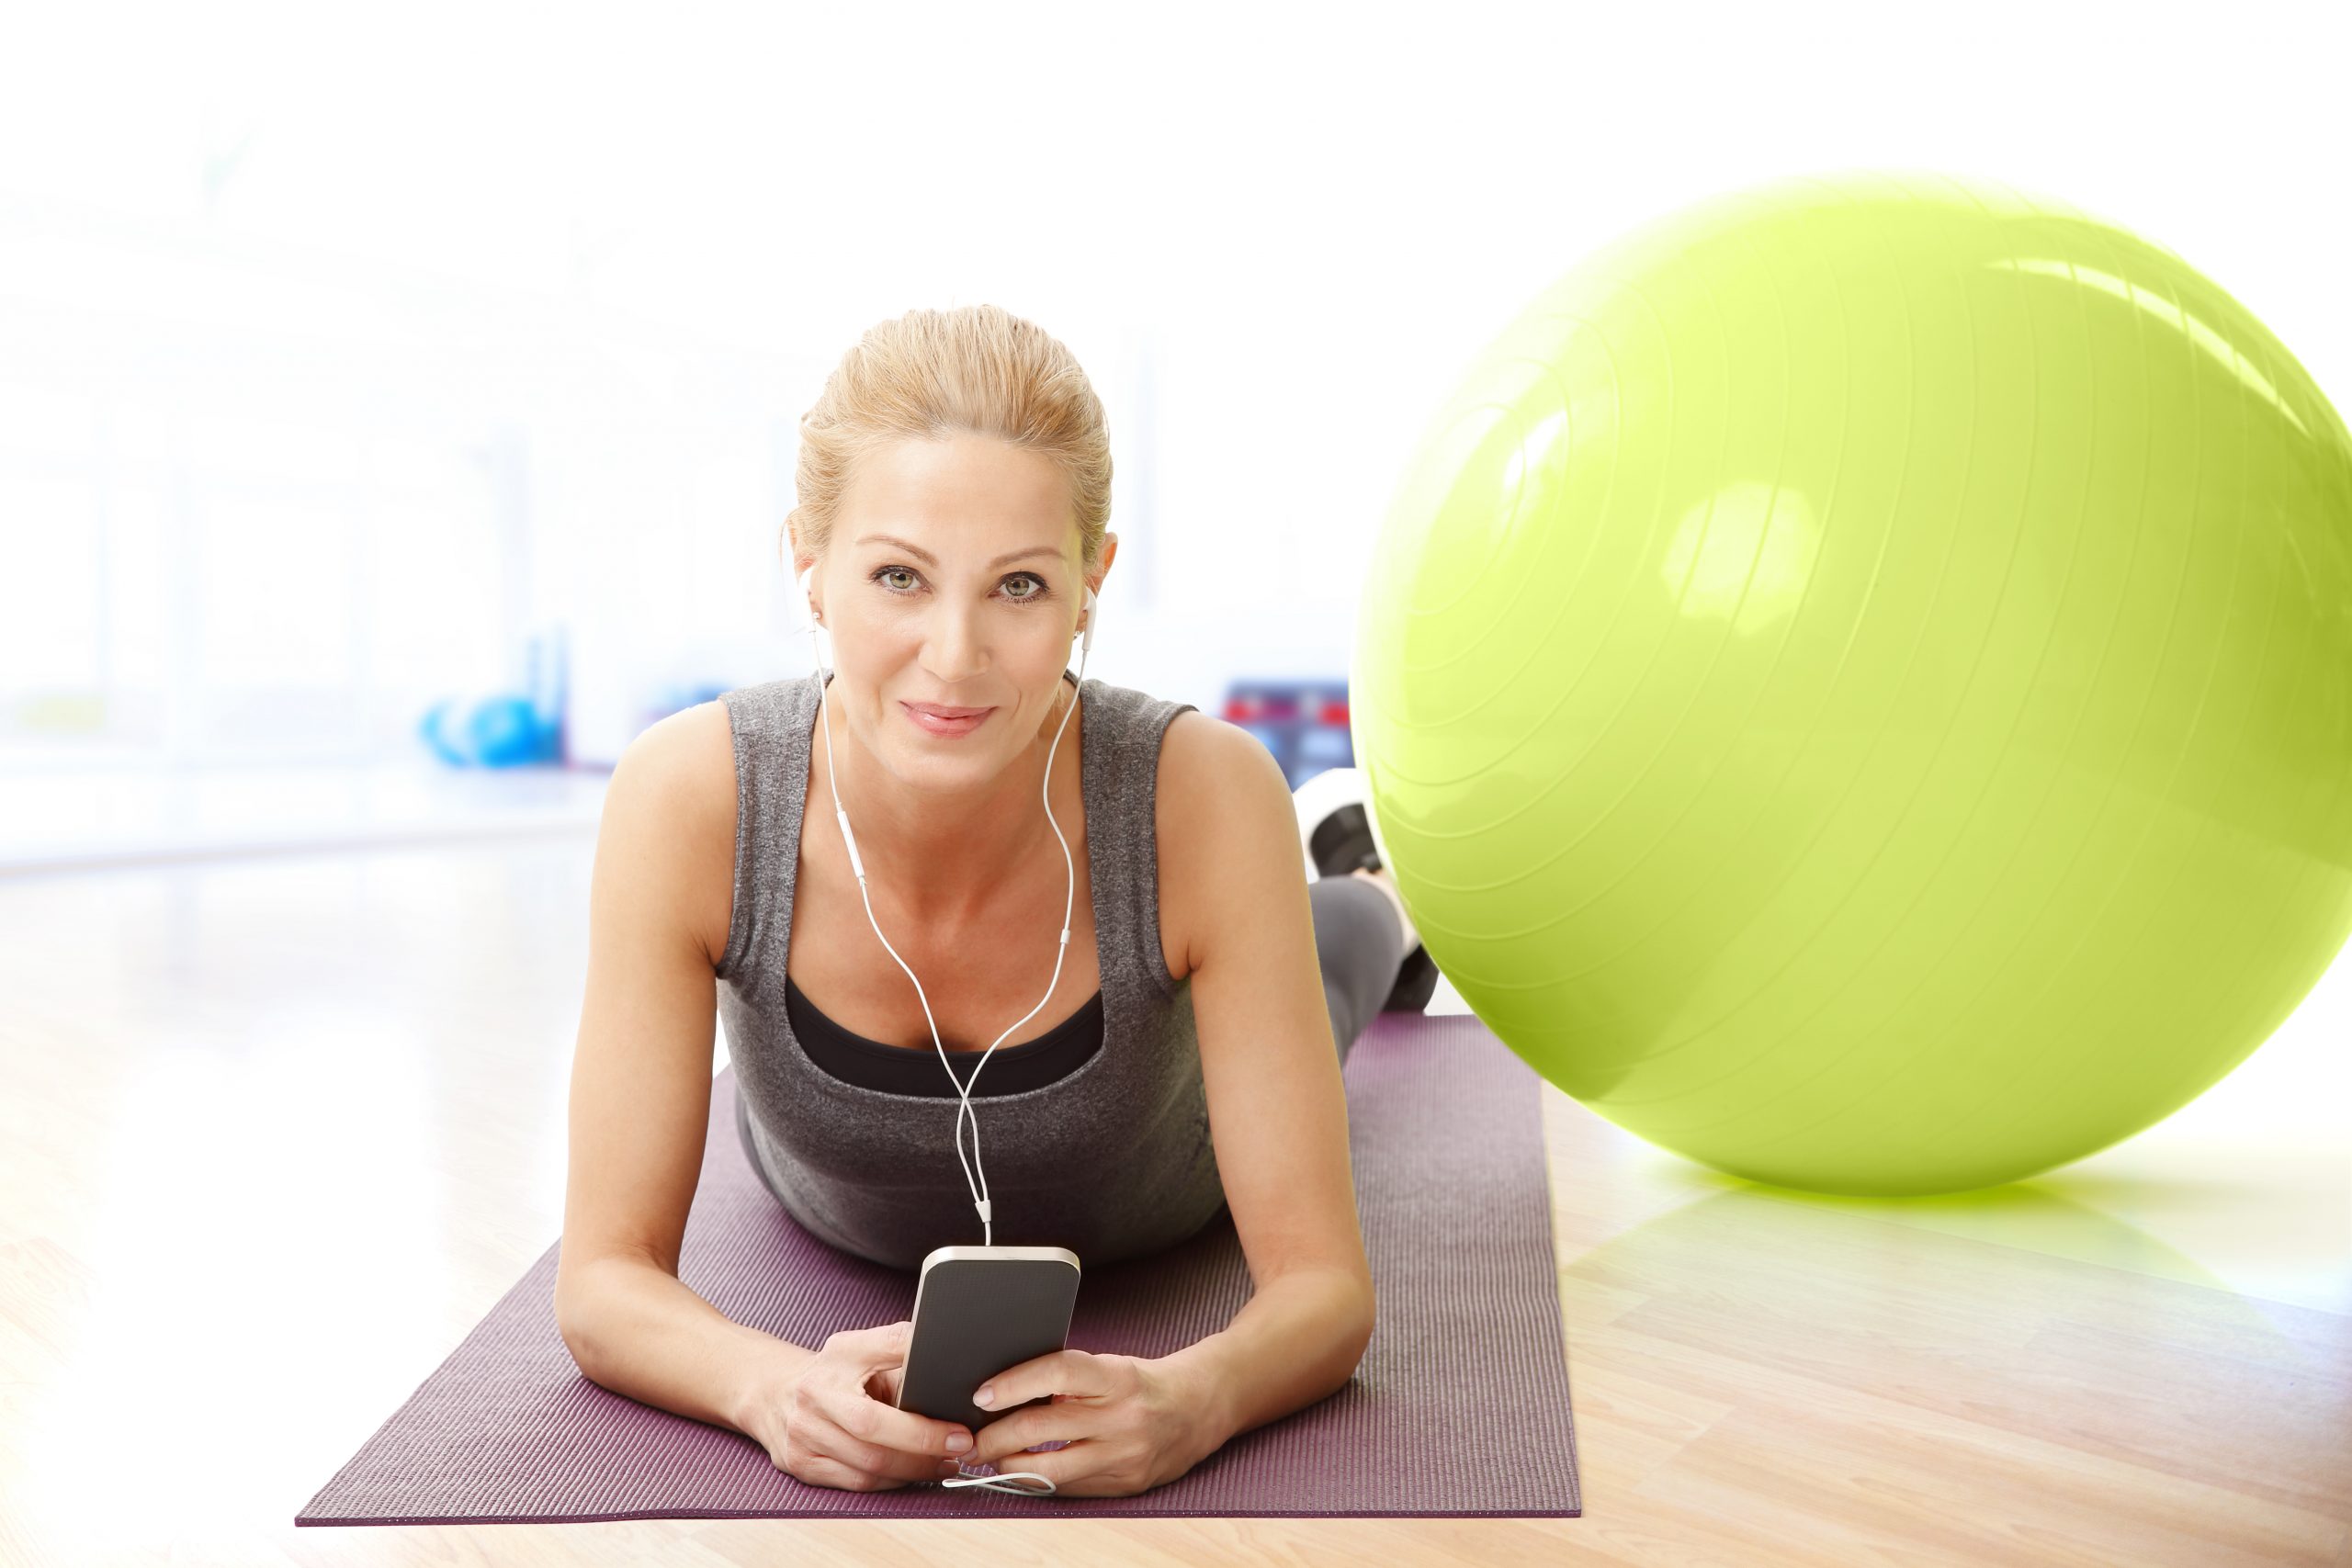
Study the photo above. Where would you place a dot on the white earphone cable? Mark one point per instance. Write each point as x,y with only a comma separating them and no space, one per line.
963,1086
964,1111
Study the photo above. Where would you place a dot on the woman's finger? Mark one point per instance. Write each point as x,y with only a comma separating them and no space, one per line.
874,1460
824,1471
858,1412
1002,1440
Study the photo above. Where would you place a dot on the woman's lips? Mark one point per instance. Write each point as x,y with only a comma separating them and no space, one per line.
931,723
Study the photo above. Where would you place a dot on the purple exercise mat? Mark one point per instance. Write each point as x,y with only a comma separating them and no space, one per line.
1459,1407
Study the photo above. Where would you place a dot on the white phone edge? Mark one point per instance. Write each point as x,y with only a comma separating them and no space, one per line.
993,1254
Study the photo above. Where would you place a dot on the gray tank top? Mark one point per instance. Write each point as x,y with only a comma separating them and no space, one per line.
1113,1160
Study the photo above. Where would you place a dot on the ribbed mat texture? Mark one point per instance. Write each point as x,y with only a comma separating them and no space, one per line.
1460,1406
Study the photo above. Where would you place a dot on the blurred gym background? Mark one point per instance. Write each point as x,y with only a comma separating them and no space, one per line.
396,418
390,429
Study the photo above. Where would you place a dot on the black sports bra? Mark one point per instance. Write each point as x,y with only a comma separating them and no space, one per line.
894,1069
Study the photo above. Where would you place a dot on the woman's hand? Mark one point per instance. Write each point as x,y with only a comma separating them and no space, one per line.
837,1424
1131,1423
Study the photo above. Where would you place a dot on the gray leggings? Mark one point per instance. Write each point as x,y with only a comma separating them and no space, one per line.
1359,947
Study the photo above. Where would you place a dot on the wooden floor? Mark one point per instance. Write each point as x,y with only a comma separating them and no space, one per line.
276,1132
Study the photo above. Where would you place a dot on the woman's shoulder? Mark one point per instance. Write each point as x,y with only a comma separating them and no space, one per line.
693,752
1189,742
1201,756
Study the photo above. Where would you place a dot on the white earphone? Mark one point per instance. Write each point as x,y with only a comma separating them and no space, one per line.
963,1087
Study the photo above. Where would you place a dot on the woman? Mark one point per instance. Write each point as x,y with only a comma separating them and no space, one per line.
1173,1060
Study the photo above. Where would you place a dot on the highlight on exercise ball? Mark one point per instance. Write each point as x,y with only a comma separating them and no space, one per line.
1856,684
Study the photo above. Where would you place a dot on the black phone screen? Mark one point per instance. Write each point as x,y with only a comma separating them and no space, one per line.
975,1317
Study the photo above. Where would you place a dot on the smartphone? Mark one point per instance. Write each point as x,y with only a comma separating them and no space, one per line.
980,1311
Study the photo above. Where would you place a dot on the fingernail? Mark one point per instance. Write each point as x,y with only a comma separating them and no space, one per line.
985,1398
958,1442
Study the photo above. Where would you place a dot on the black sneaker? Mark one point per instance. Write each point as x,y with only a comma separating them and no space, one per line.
1416,983
1342,842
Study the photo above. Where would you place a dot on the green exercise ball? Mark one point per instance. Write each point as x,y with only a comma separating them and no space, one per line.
1856,685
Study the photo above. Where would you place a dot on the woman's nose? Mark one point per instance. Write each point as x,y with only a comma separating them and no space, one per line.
953,642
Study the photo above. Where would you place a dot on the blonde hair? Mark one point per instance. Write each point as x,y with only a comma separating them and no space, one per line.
930,374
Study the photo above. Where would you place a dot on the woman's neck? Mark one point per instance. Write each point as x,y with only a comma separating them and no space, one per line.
945,856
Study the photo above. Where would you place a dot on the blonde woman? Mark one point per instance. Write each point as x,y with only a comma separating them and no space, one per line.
954,490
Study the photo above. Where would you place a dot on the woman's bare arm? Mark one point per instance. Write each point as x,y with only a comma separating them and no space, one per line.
640,1092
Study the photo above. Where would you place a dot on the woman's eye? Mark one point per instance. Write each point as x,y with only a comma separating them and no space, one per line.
1036,584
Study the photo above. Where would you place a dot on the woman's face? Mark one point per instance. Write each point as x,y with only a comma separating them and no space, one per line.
953,578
